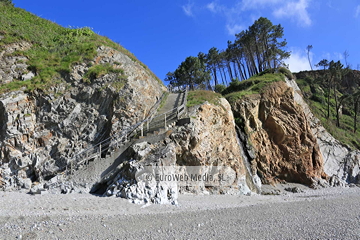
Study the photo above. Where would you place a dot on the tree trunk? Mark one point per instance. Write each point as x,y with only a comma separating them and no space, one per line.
235,71
229,70
223,71
337,107
215,77
328,100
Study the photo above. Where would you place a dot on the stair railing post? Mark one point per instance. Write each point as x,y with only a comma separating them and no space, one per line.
100,150
165,121
147,123
142,130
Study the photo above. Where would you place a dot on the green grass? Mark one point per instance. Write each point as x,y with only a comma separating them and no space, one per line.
253,85
98,71
234,96
54,48
316,99
200,96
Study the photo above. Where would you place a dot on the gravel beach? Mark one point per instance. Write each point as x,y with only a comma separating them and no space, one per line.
330,213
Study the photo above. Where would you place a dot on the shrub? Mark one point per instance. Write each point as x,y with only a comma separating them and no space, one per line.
309,80
317,98
220,88
8,2
266,71
286,72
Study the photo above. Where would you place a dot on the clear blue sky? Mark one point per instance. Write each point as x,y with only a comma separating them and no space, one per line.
162,33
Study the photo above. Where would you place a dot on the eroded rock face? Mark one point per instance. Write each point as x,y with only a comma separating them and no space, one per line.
341,164
14,67
208,140
211,140
279,137
40,132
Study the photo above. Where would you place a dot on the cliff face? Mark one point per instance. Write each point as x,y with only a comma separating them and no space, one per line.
285,141
41,131
279,138
209,139
341,164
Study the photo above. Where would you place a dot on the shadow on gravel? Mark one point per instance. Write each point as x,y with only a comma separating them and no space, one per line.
99,188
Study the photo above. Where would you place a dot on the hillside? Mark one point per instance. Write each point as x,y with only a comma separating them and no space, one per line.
47,51
62,91
65,92
314,87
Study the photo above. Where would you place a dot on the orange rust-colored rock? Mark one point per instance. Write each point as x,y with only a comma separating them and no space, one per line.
277,129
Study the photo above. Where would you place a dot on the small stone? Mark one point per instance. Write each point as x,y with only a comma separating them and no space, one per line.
27,76
27,183
293,190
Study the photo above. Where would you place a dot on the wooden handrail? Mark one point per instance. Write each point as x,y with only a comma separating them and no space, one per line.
125,136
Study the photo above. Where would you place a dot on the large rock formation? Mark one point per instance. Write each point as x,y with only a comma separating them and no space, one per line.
41,131
278,136
209,139
341,164
286,142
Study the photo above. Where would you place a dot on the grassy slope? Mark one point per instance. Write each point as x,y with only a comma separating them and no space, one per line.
315,96
253,85
54,48
200,96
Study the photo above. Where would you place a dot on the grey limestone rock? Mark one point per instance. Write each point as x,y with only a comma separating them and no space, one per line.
41,131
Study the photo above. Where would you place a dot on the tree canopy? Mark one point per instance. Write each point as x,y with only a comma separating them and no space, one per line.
191,72
254,50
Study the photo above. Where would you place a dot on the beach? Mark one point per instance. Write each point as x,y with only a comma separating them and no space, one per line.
312,214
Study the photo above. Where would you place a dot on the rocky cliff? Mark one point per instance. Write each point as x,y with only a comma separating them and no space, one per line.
341,164
208,139
40,131
285,142
278,136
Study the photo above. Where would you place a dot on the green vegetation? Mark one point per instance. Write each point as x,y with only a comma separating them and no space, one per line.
191,72
220,88
315,93
9,2
200,96
54,48
98,71
254,85
256,49
286,72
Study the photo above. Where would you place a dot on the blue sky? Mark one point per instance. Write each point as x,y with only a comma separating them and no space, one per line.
162,33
